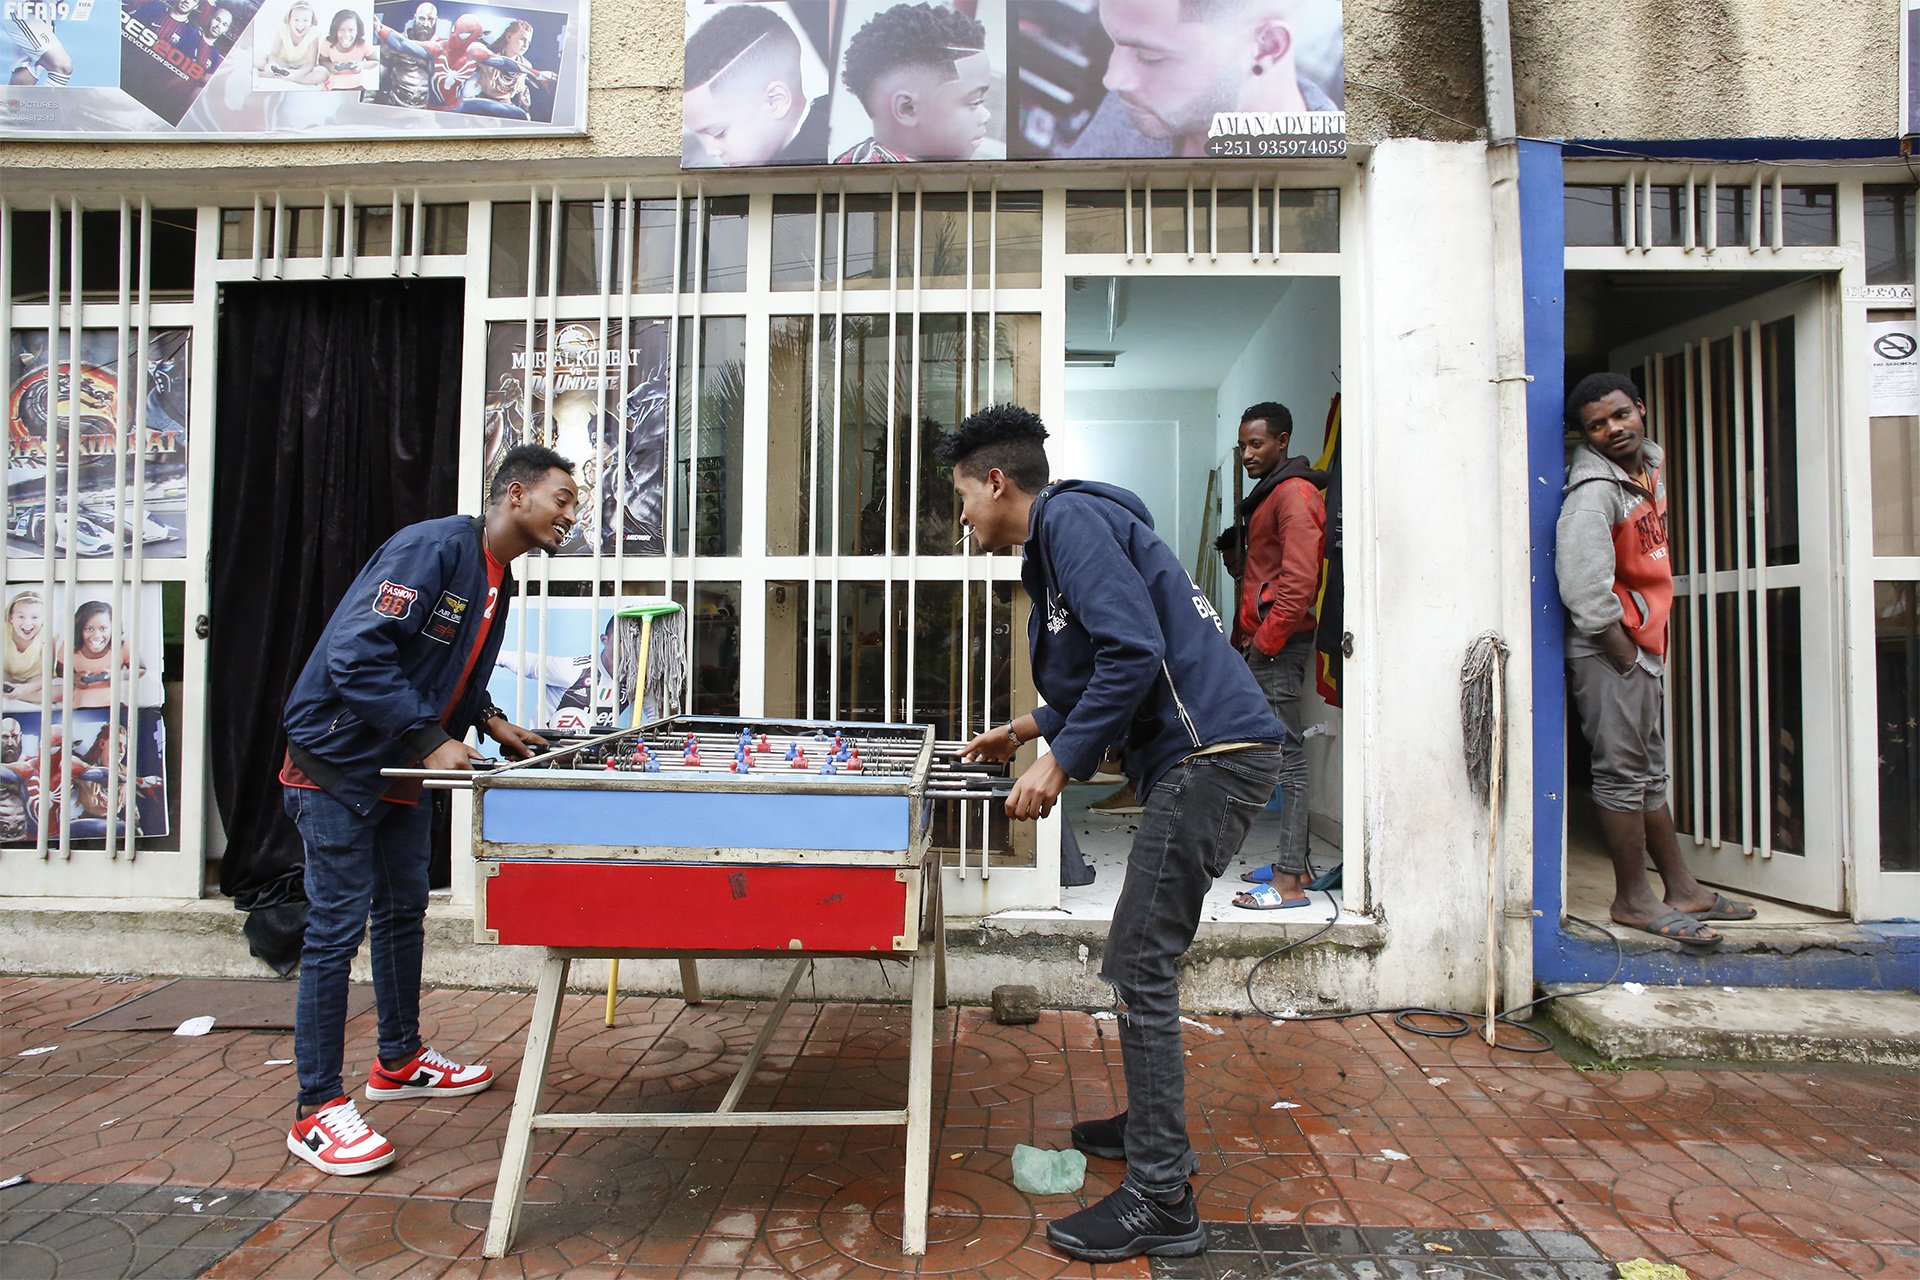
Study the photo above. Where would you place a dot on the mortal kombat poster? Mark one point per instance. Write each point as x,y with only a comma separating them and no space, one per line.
601,404
118,497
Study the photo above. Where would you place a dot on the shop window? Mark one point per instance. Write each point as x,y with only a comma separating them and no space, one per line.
1895,445
593,248
715,245
1896,613
1096,222
1308,221
371,231
1810,216
170,255
1595,216
714,649
1890,230
708,446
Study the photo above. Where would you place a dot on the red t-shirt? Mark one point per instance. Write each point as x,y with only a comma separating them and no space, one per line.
407,790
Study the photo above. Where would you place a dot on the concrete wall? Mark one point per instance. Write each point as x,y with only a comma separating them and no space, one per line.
1424,559
1626,69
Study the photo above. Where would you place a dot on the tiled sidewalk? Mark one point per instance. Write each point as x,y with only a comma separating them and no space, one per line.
1501,1164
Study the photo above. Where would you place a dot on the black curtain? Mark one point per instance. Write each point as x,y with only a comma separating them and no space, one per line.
337,414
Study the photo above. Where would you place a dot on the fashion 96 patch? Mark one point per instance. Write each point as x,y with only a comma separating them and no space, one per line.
448,614
394,600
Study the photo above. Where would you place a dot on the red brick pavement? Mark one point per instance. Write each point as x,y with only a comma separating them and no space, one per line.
1766,1173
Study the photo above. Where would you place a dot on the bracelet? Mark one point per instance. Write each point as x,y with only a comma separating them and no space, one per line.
1013,737
488,712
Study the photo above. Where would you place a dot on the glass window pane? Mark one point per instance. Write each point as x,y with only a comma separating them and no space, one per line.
1786,719
1595,215
869,236
655,223
865,385
945,242
1895,465
1889,212
171,253
719,249
795,241
1808,215
1779,400
508,278
708,472
1016,228
793,433
1896,614
713,634
786,651
1233,211
588,234
446,229
1168,210
1309,221
1096,222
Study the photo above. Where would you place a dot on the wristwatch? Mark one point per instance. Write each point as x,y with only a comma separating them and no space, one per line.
1013,737
488,712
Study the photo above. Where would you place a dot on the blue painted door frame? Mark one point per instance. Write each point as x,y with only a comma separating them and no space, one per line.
1886,957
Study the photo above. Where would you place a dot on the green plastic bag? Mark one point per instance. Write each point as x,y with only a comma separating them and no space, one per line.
1048,1173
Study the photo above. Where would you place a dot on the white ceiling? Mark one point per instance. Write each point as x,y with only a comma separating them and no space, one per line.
1173,334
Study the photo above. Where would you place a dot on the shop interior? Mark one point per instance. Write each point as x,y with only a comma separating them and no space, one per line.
1158,370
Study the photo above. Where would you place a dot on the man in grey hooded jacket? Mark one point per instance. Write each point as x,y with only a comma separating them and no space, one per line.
1616,580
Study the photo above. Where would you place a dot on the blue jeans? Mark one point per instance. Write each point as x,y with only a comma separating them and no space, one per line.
1283,678
1196,818
360,871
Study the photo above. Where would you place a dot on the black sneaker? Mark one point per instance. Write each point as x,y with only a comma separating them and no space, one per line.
1106,1139
1129,1223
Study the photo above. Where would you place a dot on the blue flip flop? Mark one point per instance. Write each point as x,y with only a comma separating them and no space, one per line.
1267,898
1259,875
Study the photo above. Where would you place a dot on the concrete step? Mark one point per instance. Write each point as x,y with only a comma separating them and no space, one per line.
1753,1024
1056,953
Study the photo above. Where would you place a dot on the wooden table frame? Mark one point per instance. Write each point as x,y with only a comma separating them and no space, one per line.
928,964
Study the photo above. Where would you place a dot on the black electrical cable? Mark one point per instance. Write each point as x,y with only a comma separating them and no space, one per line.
1454,1024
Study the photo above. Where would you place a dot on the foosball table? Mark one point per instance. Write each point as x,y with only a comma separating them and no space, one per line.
700,837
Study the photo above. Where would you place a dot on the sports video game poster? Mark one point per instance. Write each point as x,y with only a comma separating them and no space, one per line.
108,509
602,406
243,70
812,82
63,650
584,680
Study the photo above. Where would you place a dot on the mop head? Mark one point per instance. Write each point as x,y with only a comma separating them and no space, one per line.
666,674
1486,662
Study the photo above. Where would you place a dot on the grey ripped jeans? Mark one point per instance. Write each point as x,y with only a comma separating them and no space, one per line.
1282,678
1196,818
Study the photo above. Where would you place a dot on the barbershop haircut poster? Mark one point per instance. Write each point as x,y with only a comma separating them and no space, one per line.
601,404
241,70
112,507
583,680
955,80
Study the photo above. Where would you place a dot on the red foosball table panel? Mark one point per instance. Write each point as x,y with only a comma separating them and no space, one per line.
688,907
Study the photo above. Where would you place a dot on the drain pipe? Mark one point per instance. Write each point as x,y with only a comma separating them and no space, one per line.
1512,887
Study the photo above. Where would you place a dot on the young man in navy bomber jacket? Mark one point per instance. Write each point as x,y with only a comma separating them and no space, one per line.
1126,650
397,678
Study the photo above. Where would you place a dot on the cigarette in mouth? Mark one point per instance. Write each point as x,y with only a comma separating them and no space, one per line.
964,535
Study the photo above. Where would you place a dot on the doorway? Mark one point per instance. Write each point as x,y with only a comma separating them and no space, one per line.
1158,371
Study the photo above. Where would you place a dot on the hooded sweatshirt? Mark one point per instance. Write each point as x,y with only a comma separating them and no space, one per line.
1126,648
1286,519
1610,553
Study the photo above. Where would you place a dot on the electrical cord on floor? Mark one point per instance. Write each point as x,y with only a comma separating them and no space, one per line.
1453,1023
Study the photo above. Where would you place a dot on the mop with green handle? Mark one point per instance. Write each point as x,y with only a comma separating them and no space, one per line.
672,676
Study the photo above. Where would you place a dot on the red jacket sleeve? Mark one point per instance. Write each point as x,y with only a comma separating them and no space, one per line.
1303,536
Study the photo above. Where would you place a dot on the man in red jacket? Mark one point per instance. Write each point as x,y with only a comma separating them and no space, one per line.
1285,518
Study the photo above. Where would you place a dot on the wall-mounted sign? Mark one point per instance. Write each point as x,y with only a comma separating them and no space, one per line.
875,81
245,70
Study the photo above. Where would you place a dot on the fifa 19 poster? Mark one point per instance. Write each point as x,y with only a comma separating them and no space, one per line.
243,70
602,404
69,485
816,82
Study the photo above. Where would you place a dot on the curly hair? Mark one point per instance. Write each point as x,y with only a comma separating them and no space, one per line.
1594,388
1278,418
909,35
1005,436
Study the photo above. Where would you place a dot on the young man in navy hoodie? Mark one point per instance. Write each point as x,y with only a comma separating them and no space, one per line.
1127,651
397,678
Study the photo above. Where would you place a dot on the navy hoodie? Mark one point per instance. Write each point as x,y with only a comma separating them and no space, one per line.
1127,650
373,690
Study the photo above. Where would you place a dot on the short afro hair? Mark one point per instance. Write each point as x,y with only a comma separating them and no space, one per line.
525,464
1005,436
1278,417
909,35
1594,387
730,35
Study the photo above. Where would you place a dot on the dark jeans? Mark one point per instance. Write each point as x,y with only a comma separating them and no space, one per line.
359,871
1282,678
1196,818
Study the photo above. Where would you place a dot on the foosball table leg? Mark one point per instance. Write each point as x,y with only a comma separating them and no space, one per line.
689,980
913,1209
510,1188
613,988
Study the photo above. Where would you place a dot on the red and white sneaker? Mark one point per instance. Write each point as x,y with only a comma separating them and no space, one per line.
335,1139
428,1075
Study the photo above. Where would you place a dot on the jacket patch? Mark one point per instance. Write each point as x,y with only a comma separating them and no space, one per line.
444,624
394,600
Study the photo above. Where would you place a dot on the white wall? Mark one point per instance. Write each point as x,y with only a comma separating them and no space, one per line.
1294,358
1424,559
1194,411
